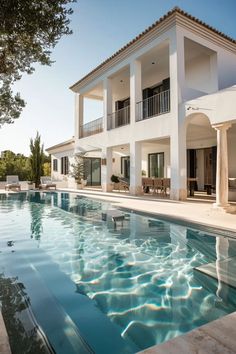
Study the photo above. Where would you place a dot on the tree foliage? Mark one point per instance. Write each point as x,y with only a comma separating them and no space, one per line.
14,164
29,29
36,159
78,168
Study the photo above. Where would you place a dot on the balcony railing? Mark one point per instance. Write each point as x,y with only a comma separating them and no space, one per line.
91,128
119,118
154,106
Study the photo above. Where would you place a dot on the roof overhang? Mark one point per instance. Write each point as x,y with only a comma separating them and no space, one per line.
174,17
64,146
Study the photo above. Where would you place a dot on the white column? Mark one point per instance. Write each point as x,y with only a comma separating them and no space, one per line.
222,166
79,114
106,169
135,89
107,101
135,168
178,161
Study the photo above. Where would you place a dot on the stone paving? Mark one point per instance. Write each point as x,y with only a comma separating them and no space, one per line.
4,342
217,337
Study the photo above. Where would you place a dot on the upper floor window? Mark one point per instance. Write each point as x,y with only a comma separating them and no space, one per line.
64,165
54,165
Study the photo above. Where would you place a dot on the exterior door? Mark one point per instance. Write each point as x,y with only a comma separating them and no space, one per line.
92,171
125,166
156,165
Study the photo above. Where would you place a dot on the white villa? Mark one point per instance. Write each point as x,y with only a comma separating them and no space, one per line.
169,111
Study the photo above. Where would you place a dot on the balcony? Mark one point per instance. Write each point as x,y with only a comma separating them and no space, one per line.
154,106
91,128
119,118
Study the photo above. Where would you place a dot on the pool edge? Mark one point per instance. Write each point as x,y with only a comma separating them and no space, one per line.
4,340
215,337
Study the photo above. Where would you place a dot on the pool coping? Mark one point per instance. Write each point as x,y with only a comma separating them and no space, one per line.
4,340
220,231
215,337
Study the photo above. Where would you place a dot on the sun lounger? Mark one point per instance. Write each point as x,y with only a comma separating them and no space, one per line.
12,183
46,183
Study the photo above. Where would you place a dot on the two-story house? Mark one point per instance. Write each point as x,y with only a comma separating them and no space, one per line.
168,109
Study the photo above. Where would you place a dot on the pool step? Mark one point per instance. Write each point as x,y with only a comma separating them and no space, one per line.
114,215
223,271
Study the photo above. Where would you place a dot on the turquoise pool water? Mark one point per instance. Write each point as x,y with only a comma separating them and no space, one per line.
71,282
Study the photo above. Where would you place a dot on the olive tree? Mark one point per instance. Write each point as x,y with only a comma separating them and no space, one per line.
29,30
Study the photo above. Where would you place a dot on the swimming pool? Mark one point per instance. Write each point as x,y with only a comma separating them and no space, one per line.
72,282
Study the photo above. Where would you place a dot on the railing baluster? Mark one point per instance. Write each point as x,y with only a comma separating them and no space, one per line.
91,128
119,118
153,106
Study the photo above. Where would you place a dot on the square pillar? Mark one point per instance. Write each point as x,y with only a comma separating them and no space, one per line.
178,190
107,102
135,89
135,168
178,158
79,114
106,170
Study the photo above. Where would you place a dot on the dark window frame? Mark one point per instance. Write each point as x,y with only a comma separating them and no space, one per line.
55,165
122,159
64,165
155,154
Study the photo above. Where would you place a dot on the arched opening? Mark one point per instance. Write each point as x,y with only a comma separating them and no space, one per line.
201,143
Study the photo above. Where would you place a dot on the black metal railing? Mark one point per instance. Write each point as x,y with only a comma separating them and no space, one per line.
91,128
118,118
154,106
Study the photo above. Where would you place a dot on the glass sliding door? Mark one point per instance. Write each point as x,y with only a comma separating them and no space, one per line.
156,165
92,171
125,166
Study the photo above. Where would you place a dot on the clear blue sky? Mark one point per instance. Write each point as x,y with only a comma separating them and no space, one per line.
100,28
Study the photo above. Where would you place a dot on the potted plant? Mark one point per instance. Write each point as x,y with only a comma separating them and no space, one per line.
30,182
114,180
31,185
78,170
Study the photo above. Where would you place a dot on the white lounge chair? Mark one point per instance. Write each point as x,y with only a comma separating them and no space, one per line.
46,183
12,183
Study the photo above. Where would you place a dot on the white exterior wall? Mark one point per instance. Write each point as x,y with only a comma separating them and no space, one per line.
226,69
149,80
198,74
188,81
156,149
56,175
